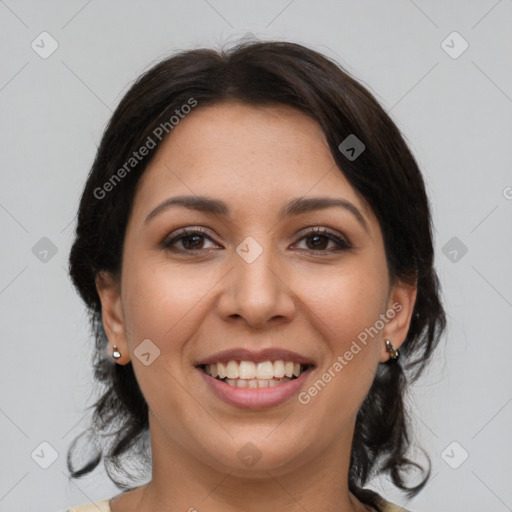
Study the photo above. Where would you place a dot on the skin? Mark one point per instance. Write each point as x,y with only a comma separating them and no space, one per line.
255,159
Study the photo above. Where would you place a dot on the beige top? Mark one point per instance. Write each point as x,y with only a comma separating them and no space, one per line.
103,506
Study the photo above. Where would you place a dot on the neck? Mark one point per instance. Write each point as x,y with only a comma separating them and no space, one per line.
181,481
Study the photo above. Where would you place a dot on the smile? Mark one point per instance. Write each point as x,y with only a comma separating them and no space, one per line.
248,374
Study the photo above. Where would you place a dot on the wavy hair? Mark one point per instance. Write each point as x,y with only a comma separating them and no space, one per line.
385,175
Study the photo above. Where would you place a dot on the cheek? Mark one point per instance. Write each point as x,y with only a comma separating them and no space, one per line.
163,301
349,304
162,305
346,302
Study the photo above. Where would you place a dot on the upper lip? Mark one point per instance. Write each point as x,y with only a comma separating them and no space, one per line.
257,356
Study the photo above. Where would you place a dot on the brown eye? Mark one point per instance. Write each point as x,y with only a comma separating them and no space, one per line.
192,241
318,239
187,240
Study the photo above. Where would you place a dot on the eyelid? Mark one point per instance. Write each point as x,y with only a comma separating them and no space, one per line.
342,241
184,232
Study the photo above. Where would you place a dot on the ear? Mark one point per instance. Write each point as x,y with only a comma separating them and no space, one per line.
112,315
401,302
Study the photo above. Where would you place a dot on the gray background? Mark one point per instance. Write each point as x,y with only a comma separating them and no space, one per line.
455,112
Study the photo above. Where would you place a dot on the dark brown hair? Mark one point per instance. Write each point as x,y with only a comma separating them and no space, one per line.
385,175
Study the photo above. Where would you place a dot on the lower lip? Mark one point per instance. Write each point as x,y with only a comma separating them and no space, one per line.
255,398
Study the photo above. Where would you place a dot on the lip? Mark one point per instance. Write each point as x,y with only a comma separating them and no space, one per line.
255,398
257,356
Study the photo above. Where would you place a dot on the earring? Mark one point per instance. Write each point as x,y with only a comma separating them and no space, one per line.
116,354
393,352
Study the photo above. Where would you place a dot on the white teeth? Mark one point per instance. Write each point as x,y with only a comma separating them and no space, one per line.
265,370
221,370
238,383
248,370
232,370
279,370
255,383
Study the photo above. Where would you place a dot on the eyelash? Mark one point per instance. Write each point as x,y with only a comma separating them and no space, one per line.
343,244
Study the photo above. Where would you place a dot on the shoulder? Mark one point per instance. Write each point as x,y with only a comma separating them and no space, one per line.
386,506
378,502
98,506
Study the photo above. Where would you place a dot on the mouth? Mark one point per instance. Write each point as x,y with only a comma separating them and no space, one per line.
248,374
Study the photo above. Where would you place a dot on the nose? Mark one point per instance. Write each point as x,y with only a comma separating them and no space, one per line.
257,292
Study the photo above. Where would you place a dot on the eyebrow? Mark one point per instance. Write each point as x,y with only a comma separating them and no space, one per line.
296,206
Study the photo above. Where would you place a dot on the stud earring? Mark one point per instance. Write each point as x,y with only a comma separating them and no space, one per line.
393,352
115,353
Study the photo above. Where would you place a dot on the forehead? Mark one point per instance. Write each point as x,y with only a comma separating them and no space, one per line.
252,156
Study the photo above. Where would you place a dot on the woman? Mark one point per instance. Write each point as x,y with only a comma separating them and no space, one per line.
254,244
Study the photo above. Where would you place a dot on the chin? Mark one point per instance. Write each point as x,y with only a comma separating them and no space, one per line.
256,457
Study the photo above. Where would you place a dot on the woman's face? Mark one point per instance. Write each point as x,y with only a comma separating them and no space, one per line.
255,278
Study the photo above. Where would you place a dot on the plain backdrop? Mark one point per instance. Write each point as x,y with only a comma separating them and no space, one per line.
453,104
